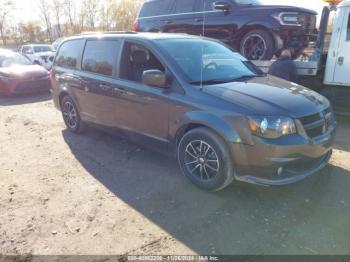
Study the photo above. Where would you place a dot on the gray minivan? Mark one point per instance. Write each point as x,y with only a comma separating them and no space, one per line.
198,100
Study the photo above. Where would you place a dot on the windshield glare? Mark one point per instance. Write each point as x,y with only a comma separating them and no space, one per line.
248,2
204,60
7,60
40,49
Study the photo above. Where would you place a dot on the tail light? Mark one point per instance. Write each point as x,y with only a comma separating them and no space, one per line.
50,74
135,26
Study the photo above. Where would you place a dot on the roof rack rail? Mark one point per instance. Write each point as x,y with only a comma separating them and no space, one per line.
108,32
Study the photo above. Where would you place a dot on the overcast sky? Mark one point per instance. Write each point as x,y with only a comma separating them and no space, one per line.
27,9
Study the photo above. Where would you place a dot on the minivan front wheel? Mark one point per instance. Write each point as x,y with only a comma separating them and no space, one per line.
205,159
257,45
71,115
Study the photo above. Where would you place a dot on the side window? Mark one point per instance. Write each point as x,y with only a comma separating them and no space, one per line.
100,56
348,30
154,8
69,53
184,6
26,49
135,60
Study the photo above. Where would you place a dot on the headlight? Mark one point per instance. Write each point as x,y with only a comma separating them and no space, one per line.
271,126
288,18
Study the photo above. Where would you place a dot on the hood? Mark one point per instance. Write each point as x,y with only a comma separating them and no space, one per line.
24,72
271,96
280,8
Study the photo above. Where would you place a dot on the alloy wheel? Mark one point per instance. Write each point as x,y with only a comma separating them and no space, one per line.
70,115
201,160
254,47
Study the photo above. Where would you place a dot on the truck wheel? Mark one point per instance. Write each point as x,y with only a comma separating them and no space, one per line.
71,116
204,159
257,45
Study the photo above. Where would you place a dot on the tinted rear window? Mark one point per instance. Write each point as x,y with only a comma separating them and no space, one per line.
154,8
99,56
69,53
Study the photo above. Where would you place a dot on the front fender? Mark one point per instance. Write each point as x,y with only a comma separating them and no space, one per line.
232,129
268,25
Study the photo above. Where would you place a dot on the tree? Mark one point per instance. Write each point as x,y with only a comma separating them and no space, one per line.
106,15
31,32
57,9
125,13
44,8
5,9
69,9
91,7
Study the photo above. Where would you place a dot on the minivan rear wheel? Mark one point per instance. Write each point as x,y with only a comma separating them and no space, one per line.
71,115
257,45
204,158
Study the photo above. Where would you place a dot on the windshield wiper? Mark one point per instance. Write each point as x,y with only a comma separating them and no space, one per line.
209,82
222,81
242,78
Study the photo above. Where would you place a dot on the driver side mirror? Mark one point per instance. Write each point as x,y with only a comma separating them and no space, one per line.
154,78
222,5
29,52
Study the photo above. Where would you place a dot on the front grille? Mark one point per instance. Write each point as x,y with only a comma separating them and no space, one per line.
44,58
317,124
308,21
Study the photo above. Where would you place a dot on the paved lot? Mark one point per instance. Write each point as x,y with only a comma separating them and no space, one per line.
97,194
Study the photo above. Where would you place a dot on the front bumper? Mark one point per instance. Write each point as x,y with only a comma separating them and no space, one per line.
294,37
284,161
25,87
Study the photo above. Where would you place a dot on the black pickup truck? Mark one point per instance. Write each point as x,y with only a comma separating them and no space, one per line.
258,31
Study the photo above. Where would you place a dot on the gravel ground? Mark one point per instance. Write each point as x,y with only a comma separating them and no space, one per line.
62,193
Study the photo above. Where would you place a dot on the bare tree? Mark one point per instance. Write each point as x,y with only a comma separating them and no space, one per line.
30,32
125,13
57,9
44,8
105,14
91,7
69,9
70,17
5,9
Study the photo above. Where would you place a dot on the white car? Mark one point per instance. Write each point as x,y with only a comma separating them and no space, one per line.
57,43
39,54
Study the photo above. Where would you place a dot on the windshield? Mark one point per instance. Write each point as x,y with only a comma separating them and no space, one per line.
208,61
248,2
42,48
9,59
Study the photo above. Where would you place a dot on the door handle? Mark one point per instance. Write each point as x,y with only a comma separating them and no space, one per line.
168,22
341,60
199,20
105,87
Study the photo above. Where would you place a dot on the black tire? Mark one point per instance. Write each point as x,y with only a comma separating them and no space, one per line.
205,176
71,115
257,45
